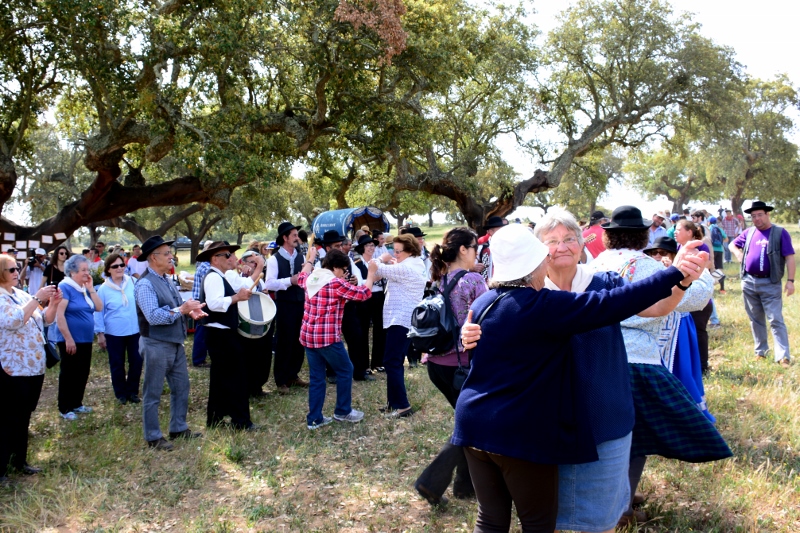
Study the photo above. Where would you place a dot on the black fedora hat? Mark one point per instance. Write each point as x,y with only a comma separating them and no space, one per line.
494,222
627,218
663,243
331,237
214,249
415,231
363,241
597,215
286,227
151,244
758,205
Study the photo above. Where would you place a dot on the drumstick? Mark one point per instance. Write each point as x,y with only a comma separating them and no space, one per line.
260,276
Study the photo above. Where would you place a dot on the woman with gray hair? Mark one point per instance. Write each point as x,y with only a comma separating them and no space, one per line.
74,335
514,450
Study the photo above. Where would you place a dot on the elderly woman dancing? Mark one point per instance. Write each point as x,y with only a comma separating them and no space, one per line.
514,450
22,363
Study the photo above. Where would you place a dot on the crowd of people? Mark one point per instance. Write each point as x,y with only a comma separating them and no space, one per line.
607,321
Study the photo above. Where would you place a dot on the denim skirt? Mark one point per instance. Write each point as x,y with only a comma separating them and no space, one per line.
593,496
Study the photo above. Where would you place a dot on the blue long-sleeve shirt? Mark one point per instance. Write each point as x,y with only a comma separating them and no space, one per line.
115,318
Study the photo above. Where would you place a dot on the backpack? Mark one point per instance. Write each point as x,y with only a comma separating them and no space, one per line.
434,328
716,236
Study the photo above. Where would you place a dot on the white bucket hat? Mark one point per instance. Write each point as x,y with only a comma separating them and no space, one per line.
515,252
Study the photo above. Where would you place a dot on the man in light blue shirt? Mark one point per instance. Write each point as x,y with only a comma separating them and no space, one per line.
656,229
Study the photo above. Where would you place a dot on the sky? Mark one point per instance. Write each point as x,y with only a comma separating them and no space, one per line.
763,34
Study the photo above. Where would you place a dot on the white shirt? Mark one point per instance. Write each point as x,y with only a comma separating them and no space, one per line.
136,267
215,292
34,277
271,281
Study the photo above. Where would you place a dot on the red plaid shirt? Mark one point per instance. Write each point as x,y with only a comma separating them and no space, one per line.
322,317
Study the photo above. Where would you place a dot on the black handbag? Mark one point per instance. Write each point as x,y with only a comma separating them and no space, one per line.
50,351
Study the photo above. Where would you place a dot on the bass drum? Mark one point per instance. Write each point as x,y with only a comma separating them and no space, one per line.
255,315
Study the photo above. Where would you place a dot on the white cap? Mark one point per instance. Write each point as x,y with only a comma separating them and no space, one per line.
40,251
515,252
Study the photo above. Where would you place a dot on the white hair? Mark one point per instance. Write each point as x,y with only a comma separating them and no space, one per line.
73,264
554,218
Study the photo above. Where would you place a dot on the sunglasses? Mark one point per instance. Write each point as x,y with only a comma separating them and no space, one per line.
226,255
117,266
13,269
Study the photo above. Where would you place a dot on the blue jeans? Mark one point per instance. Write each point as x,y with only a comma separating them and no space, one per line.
125,385
199,350
396,349
763,302
336,356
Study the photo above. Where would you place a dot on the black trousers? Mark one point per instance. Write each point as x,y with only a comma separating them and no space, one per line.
375,312
701,324
227,387
501,480
258,353
719,263
19,396
73,375
356,336
289,353
125,385
437,476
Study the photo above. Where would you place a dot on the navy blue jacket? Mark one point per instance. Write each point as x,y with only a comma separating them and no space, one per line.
522,397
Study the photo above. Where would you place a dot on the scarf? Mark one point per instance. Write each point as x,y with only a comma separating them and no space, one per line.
289,258
113,286
318,279
583,277
69,281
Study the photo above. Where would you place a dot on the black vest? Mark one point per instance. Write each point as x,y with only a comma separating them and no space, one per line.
230,317
167,296
293,293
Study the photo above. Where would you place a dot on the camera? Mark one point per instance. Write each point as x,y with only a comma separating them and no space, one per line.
32,256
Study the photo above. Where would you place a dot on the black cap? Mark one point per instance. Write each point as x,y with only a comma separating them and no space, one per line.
415,231
494,222
331,237
150,245
664,243
758,205
627,218
286,227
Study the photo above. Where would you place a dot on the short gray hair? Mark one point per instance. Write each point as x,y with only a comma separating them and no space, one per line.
558,217
73,264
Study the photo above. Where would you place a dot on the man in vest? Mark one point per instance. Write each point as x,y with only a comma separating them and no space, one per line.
765,251
227,388
162,330
283,269
484,254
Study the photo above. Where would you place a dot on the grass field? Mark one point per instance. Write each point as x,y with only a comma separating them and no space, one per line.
100,476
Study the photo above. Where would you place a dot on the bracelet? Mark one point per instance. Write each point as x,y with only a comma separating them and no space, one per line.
681,287
38,300
790,280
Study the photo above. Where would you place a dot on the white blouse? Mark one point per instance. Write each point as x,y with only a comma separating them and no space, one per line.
21,343
404,290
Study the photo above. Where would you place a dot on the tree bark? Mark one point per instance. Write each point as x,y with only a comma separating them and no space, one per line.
142,233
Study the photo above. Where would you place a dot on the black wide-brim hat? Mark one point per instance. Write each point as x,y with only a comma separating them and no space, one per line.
415,231
664,243
151,244
494,222
627,218
363,241
214,249
286,227
331,237
758,205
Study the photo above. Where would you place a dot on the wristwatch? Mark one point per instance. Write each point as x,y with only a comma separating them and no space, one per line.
790,280
681,287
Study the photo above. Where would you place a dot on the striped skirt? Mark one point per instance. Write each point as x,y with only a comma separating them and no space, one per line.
668,422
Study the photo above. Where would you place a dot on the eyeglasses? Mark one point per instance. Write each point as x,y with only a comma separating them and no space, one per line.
226,255
62,252
160,253
13,269
657,253
117,266
569,242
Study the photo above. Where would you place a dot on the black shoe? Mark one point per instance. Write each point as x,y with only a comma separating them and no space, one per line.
429,496
203,365
134,399
29,470
185,434
160,444
252,428
332,380
122,400
259,394
366,377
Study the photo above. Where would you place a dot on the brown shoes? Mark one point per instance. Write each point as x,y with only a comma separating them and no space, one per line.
284,389
299,383
638,517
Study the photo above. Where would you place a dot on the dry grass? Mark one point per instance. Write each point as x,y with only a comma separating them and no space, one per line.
99,476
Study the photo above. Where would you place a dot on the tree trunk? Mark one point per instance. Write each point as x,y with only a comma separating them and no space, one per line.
430,218
194,249
239,236
94,234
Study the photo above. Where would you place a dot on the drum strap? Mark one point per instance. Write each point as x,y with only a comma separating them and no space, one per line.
254,303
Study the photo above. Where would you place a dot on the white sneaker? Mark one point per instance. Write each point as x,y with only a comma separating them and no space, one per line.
354,416
325,421
83,410
69,416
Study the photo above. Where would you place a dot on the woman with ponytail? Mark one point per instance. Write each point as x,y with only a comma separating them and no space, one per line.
450,261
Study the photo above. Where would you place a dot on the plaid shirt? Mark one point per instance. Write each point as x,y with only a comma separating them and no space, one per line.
322,317
731,226
147,300
199,275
